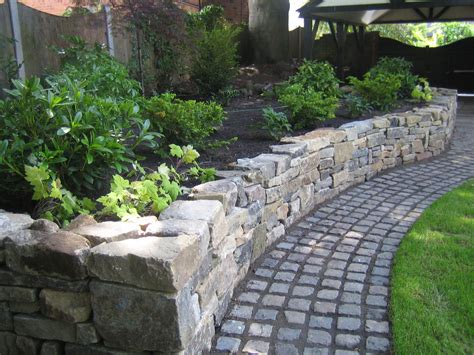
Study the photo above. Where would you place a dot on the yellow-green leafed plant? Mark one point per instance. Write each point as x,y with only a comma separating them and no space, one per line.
422,92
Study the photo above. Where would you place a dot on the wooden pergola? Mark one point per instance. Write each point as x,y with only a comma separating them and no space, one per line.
341,14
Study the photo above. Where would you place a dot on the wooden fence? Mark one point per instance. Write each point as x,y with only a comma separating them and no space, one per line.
41,31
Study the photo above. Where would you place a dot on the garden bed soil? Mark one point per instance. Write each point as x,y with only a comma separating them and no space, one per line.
244,115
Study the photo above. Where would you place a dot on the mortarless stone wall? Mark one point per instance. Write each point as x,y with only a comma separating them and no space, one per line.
155,286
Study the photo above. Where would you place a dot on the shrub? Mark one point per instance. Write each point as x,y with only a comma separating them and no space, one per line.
275,123
183,122
379,91
79,138
307,105
98,72
215,62
402,69
312,94
319,76
422,92
357,105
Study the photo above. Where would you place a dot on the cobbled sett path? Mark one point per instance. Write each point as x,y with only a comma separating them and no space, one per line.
324,287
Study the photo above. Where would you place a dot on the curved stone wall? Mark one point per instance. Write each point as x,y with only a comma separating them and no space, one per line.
155,286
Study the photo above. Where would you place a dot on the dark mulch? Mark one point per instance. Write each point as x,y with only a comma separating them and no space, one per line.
244,116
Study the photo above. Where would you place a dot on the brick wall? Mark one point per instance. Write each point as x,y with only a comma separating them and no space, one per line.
236,11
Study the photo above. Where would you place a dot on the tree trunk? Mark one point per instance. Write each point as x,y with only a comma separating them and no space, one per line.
268,25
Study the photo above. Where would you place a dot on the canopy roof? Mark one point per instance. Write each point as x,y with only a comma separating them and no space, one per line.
366,12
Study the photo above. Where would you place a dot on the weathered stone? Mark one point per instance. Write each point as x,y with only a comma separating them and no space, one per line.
397,132
147,320
212,212
143,222
313,144
255,193
18,294
8,343
14,221
236,219
281,161
176,227
375,139
16,279
81,221
108,232
381,123
340,178
43,328
6,320
24,307
44,225
155,263
412,120
259,170
86,334
76,349
65,306
354,129
294,150
27,345
51,348
259,241
343,152
224,191
59,254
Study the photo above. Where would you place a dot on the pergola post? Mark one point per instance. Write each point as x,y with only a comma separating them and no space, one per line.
308,38
341,48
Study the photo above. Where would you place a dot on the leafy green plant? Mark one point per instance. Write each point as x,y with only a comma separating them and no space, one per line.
183,122
96,70
357,105
399,67
320,76
275,123
422,92
56,203
8,65
307,105
379,91
154,191
81,138
225,95
215,60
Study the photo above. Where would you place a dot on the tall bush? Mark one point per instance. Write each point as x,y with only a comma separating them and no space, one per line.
215,61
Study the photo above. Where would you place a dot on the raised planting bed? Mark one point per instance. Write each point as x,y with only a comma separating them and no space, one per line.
161,285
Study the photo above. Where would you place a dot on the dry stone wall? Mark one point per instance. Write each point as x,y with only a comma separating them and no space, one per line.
153,286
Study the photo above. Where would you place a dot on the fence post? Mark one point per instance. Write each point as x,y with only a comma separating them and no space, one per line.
108,24
16,31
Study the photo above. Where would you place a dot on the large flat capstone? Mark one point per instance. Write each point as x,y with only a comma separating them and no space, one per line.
60,255
210,211
155,263
108,232
135,319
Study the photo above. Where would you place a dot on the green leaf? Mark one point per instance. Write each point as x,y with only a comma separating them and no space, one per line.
176,151
189,154
38,178
63,130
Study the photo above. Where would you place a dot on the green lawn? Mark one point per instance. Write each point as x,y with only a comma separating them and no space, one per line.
432,300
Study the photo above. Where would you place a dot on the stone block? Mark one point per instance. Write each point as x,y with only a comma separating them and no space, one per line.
8,343
396,132
236,219
86,334
343,152
281,161
340,178
309,163
43,328
108,232
45,225
224,191
255,193
130,318
26,345
60,255
259,241
65,306
80,221
381,123
155,263
212,212
176,227
14,221
375,139
16,279
24,307
77,349
18,294
293,150
6,319
313,144
52,348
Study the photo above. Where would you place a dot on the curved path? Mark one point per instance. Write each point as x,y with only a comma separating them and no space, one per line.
324,287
